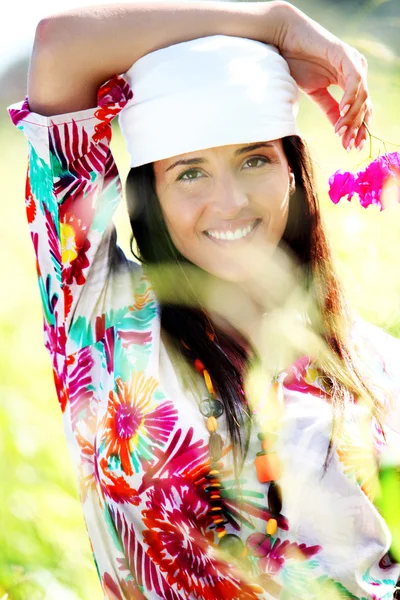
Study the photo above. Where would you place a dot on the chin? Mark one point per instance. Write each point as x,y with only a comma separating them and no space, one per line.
229,273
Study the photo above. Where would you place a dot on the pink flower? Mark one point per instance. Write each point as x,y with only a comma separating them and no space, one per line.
341,184
368,183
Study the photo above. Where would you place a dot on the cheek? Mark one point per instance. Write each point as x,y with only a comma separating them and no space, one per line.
273,203
182,218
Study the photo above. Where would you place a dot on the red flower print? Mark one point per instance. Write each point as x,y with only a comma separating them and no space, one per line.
29,201
67,300
129,589
117,488
136,421
61,389
176,521
113,95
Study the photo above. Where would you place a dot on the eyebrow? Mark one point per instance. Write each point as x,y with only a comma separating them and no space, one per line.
239,152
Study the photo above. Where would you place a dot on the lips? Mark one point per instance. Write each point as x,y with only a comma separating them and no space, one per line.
230,235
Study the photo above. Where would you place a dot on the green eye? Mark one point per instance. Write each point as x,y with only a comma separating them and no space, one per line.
255,159
189,175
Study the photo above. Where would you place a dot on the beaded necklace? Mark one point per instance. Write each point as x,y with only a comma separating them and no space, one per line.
267,468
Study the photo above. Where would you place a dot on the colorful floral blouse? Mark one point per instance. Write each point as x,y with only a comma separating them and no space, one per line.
137,438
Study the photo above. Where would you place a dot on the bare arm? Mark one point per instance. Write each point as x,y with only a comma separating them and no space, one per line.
77,50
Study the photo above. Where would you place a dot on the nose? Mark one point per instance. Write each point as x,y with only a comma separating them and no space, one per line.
229,198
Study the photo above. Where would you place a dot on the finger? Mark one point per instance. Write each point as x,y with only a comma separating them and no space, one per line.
363,132
349,82
355,101
327,103
350,111
354,67
358,131
354,117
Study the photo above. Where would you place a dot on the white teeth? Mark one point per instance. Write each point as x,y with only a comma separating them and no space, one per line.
232,235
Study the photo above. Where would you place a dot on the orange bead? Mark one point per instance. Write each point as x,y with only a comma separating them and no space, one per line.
267,467
212,424
257,589
209,384
272,526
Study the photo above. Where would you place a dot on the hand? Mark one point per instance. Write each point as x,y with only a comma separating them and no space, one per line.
318,59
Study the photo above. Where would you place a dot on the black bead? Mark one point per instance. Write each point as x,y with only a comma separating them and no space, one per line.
274,498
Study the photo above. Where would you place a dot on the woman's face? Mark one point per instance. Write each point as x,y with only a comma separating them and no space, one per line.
226,208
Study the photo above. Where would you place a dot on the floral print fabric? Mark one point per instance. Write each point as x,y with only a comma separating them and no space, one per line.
137,438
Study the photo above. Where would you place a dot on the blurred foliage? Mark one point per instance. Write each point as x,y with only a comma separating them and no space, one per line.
44,549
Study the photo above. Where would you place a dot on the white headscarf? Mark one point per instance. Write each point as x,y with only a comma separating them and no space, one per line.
208,92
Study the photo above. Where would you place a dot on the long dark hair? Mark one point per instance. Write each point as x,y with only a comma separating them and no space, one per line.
225,357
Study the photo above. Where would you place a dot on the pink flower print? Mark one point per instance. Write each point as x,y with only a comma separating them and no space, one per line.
136,421
19,114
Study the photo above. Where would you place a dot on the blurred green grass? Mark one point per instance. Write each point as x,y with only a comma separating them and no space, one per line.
44,548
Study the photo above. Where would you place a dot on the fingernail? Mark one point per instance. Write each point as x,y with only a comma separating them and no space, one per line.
361,145
345,110
341,130
351,144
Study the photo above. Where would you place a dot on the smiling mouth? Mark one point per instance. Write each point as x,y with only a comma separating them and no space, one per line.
235,234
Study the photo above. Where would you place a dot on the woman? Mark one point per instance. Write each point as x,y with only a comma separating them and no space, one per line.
237,499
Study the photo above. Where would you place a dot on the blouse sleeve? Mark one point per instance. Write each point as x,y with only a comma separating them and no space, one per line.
72,190
380,352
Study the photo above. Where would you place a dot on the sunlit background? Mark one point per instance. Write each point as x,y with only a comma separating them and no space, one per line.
44,548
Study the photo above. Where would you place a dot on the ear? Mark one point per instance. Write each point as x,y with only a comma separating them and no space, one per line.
292,186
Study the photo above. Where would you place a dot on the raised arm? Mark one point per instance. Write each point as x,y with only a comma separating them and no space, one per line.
76,51
86,46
